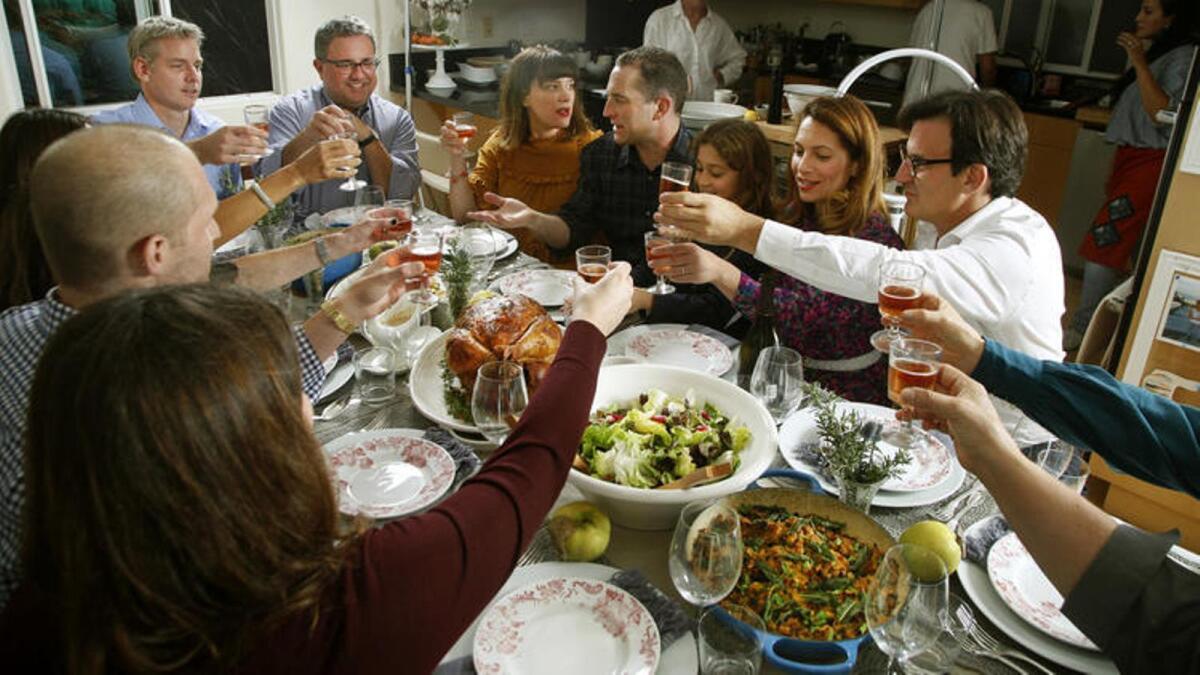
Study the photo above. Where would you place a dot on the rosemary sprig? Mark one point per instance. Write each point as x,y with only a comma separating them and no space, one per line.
850,457
457,272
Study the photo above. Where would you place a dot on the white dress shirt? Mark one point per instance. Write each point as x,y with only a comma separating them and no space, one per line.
711,45
1001,268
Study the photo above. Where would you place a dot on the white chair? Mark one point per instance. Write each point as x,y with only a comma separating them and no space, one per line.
435,165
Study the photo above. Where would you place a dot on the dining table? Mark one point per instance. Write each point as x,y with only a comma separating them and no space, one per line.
647,551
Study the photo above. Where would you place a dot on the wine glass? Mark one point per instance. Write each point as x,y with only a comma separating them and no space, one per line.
399,209
259,117
900,287
911,363
464,125
1055,456
592,262
778,380
498,399
426,248
656,239
367,199
353,183
482,245
706,552
905,602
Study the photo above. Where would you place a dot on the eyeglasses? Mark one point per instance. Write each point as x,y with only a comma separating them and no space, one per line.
916,163
345,66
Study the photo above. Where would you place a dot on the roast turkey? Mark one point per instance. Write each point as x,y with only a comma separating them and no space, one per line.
512,328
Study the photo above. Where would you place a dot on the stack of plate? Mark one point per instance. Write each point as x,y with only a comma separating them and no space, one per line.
700,114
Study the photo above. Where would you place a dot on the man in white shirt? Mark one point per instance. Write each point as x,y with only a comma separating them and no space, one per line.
996,260
702,41
965,33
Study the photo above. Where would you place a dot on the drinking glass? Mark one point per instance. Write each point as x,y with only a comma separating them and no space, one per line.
656,239
426,248
258,116
900,287
706,552
674,177
367,199
778,380
375,373
482,245
464,125
911,363
353,183
905,602
729,646
402,211
592,262
498,399
1055,456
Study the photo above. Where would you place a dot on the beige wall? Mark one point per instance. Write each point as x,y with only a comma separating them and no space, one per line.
878,26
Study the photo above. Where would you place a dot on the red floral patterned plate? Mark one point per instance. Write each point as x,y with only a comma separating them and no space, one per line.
1028,593
567,625
682,348
388,473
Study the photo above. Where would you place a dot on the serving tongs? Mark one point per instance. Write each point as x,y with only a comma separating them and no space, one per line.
701,476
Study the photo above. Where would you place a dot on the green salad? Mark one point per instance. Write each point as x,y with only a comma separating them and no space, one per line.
657,439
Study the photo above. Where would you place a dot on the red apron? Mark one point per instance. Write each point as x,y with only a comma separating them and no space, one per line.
1129,194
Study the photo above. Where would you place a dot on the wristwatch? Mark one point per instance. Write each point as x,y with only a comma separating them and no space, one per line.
362,145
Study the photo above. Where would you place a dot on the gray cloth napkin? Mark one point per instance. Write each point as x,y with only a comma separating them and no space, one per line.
984,534
672,621
466,462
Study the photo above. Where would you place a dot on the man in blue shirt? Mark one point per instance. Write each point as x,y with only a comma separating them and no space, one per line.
164,57
345,102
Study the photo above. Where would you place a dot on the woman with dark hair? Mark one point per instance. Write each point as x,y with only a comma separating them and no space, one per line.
1155,82
24,275
533,154
185,521
837,169
733,161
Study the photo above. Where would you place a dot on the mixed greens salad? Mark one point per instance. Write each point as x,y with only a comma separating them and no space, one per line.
658,439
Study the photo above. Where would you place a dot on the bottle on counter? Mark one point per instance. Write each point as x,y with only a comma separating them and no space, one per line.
762,333
775,63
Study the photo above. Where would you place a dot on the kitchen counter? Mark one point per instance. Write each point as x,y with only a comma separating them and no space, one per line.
482,100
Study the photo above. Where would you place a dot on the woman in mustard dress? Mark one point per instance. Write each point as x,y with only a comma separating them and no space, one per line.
533,154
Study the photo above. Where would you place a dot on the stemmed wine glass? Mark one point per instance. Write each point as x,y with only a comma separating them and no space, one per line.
778,380
353,183
367,199
905,602
911,363
426,248
399,209
706,552
656,239
900,288
498,399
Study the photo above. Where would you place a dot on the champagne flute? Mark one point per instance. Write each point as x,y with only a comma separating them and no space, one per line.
900,287
706,552
911,363
592,262
655,240
905,602
778,380
498,398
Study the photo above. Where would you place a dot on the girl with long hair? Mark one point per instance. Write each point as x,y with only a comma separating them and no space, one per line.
837,171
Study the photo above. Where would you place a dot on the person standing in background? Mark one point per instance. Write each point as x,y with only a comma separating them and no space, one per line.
966,33
702,41
1155,81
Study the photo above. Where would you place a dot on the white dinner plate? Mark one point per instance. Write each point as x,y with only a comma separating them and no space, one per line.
683,348
619,340
546,287
336,376
979,588
389,472
679,657
425,386
933,475
503,244
567,624
1023,586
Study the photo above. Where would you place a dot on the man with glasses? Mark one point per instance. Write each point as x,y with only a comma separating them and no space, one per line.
345,102
996,260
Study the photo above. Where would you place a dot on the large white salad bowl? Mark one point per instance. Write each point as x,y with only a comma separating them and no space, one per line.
644,509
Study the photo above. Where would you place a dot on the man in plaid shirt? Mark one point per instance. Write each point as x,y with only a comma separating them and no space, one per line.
149,223
619,172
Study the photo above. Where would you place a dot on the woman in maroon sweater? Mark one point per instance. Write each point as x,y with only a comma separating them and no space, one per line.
183,520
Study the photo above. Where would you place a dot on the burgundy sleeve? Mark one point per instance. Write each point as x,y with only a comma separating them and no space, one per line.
420,581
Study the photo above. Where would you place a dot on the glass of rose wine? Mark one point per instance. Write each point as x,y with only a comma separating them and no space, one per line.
911,363
900,286
655,240
592,262
425,248
464,125
400,210
674,177
259,116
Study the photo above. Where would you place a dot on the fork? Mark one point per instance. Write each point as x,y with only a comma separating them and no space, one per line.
981,643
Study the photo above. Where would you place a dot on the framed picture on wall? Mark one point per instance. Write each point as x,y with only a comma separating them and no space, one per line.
1171,340
1180,321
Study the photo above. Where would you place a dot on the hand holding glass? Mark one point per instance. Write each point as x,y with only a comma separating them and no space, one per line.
258,116
911,363
900,288
592,262
400,210
498,399
349,132
654,240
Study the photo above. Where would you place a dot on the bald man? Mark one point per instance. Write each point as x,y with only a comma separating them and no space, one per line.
151,223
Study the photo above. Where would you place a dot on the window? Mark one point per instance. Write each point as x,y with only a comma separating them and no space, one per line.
76,54
1070,36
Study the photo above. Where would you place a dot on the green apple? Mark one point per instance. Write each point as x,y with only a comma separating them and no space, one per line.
938,538
580,531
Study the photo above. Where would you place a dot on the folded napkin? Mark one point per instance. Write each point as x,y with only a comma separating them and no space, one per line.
982,536
466,462
672,620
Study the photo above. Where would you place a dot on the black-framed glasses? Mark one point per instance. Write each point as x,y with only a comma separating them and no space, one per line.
344,65
916,162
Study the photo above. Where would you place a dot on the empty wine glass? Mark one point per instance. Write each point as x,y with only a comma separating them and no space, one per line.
498,399
482,245
900,288
905,602
911,363
656,239
367,199
706,552
352,183
778,380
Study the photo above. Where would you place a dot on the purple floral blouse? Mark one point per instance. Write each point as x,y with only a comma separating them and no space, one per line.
827,326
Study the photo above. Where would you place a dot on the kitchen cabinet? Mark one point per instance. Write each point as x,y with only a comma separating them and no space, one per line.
895,4
1051,142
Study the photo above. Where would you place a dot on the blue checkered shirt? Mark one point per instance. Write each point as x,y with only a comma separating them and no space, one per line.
618,195
24,332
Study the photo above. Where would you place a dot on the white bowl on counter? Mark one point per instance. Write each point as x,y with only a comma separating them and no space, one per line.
644,509
700,114
800,95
